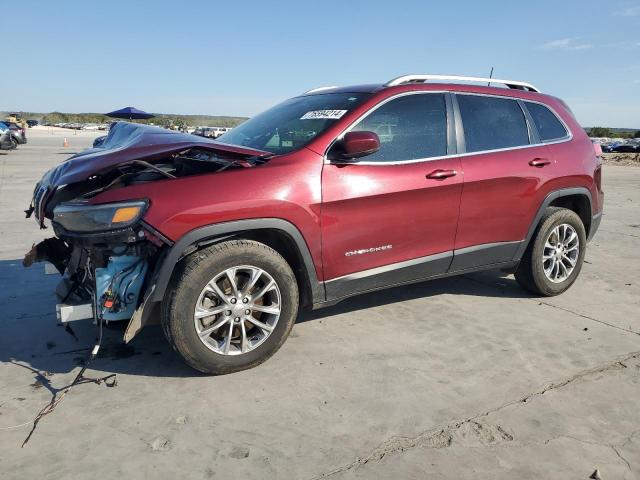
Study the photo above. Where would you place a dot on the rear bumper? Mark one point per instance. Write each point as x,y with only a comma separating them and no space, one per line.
595,224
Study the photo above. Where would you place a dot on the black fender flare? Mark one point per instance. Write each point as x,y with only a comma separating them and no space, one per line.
564,192
216,232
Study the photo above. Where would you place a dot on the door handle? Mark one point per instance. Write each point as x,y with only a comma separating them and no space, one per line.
539,162
442,174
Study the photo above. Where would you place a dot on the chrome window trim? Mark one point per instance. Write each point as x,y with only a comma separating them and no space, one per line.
445,157
326,161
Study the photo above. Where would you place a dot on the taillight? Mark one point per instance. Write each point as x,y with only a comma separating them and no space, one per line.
597,177
598,149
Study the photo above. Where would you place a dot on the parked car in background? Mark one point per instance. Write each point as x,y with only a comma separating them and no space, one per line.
90,126
626,148
18,132
32,123
219,131
203,132
606,147
305,205
7,142
211,132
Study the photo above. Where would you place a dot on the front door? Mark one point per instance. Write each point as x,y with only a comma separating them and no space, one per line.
391,217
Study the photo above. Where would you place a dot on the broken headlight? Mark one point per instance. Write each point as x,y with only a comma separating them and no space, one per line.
82,217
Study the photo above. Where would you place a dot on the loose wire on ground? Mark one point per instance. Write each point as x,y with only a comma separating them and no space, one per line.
78,380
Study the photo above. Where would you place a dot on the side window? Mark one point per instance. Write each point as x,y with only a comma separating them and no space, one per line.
548,125
410,128
491,123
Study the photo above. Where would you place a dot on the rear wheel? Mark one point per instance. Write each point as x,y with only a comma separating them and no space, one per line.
231,306
554,257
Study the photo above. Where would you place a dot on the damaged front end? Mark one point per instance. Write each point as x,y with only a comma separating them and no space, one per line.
106,252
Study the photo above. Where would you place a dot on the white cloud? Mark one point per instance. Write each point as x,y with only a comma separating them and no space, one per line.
569,44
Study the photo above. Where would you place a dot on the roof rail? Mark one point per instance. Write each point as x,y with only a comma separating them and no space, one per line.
319,89
455,78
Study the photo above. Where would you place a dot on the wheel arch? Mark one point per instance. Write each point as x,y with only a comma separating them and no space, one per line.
580,203
577,199
278,234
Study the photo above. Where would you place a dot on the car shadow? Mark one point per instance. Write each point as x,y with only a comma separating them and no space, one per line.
492,283
32,338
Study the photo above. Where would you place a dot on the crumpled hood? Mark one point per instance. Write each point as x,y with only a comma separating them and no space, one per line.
127,142
132,141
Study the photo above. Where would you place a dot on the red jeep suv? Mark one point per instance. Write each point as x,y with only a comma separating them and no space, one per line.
332,193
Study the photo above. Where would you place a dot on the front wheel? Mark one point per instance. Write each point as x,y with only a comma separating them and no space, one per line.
231,306
554,257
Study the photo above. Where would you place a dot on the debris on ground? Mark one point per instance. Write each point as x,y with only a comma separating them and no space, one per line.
625,159
595,475
160,444
109,381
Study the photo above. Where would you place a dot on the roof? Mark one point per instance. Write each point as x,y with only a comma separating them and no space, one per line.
424,80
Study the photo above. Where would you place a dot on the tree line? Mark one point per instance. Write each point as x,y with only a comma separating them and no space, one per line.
161,119
609,133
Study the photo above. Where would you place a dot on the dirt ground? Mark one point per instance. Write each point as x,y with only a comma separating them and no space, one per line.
461,378
625,159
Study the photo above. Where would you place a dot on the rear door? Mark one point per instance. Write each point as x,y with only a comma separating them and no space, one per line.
504,166
392,216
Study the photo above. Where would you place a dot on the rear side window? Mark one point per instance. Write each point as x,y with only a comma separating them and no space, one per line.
411,127
548,125
492,123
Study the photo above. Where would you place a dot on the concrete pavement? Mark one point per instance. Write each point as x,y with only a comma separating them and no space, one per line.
468,377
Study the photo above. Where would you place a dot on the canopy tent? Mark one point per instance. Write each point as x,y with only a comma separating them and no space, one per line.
130,113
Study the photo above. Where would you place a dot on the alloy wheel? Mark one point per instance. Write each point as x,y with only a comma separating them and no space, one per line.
237,310
560,253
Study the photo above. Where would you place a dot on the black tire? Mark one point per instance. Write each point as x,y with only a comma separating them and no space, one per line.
530,273
188,282
14,144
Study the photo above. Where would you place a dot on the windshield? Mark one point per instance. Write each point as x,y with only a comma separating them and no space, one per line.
293,123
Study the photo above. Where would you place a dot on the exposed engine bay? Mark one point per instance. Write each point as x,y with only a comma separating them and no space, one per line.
106,253
193,161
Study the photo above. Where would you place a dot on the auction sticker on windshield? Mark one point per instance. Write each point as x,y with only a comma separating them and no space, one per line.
331,114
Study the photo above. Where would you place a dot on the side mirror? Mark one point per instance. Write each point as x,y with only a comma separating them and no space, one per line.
359,144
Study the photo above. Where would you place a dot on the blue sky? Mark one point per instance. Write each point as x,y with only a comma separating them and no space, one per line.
239,57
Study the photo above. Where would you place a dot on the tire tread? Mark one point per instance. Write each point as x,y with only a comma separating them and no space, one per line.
185,274
530,277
